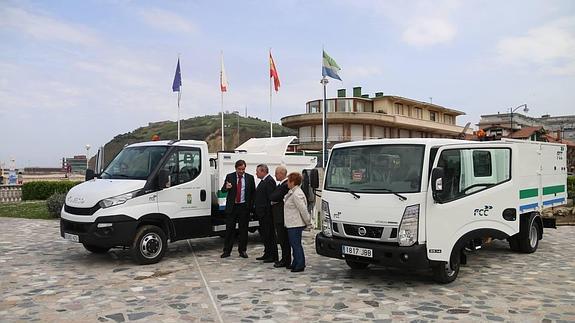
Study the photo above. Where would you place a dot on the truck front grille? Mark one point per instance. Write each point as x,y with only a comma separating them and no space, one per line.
363,231
81,210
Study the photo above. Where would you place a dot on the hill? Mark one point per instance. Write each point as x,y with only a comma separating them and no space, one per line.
206,128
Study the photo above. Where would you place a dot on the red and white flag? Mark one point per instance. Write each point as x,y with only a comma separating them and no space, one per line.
274,73
223,78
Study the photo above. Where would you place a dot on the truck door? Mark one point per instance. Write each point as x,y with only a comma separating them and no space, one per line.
186,200
477,190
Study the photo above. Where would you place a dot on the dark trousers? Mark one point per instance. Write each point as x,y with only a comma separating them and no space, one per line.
267,232
240,214
283,240
294,235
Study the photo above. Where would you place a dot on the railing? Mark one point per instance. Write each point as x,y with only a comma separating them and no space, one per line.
10,193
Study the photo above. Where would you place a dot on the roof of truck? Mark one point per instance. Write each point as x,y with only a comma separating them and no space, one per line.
168,143
406,141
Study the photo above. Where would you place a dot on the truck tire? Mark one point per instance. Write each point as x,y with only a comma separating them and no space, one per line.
95,249
445,273
528,238
150,245
356,265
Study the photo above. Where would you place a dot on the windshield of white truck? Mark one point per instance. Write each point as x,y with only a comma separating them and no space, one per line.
382,169
134,163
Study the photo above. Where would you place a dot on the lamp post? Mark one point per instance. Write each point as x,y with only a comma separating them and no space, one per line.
525,109
87,150
237,113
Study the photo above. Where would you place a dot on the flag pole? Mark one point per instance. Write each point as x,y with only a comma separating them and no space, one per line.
179,96
222,93
223,148
271,115
324,81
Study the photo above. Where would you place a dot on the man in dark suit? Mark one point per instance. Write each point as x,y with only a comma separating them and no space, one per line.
262,207
277,199
240,187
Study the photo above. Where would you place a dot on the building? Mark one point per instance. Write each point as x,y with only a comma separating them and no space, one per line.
559,129
382,116
503,124
77,164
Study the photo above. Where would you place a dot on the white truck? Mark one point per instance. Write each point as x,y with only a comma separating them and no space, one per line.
423,203
156,191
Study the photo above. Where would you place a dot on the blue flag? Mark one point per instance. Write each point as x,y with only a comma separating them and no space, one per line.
177,79
330,67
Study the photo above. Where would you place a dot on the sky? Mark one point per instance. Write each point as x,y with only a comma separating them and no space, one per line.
74,73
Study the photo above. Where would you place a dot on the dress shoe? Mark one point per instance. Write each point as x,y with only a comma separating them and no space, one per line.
269,260
225,255
243,254
289,267
264,257
279,264
297,270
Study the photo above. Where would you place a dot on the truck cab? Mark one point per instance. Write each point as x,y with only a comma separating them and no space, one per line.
422,202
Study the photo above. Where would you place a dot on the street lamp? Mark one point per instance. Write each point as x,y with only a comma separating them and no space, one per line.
237,113
87,150
525,109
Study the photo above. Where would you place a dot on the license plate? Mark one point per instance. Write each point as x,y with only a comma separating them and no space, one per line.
356,251
71,237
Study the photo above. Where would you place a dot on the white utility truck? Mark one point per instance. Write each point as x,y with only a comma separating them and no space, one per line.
157,191
423,202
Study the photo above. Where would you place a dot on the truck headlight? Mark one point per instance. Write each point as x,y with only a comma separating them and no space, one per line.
409,226
116,200
326,223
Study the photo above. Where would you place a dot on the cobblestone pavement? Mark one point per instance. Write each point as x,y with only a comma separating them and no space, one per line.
44,278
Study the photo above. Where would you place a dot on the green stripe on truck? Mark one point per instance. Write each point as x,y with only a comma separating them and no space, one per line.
553,189
527,193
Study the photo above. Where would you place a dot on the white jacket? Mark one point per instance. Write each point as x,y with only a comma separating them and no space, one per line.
295,209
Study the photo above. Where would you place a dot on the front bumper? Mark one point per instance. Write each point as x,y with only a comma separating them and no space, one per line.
120,233
383,255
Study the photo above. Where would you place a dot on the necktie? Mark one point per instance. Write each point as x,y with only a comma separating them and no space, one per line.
239,190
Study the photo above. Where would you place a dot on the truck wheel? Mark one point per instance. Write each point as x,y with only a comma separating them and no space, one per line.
446,273
95,249
356,265
149,245
528,238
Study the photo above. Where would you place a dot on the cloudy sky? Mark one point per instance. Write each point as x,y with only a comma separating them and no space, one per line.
81,72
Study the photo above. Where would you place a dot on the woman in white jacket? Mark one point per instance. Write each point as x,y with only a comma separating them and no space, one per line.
296,219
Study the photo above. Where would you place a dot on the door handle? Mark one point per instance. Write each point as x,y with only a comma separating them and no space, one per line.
203,195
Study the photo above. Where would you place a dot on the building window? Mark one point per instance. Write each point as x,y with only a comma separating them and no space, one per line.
398,108
313,107
359,106
448,119
432,116
417,113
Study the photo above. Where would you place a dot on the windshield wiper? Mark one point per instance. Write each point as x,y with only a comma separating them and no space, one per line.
401,197
347,189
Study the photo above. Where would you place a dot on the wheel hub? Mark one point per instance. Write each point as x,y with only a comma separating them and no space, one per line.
151,245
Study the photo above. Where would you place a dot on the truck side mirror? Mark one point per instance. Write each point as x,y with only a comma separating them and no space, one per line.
163,178
437,181
90,174
314,178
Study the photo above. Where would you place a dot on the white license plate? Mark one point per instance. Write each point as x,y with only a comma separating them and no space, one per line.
355,251
71,237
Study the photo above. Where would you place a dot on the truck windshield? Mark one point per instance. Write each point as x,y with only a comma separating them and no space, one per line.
382,169
134,163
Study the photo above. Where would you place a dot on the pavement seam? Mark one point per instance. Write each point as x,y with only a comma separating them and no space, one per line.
206,284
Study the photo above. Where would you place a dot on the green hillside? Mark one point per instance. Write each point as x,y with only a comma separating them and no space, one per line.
206,128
